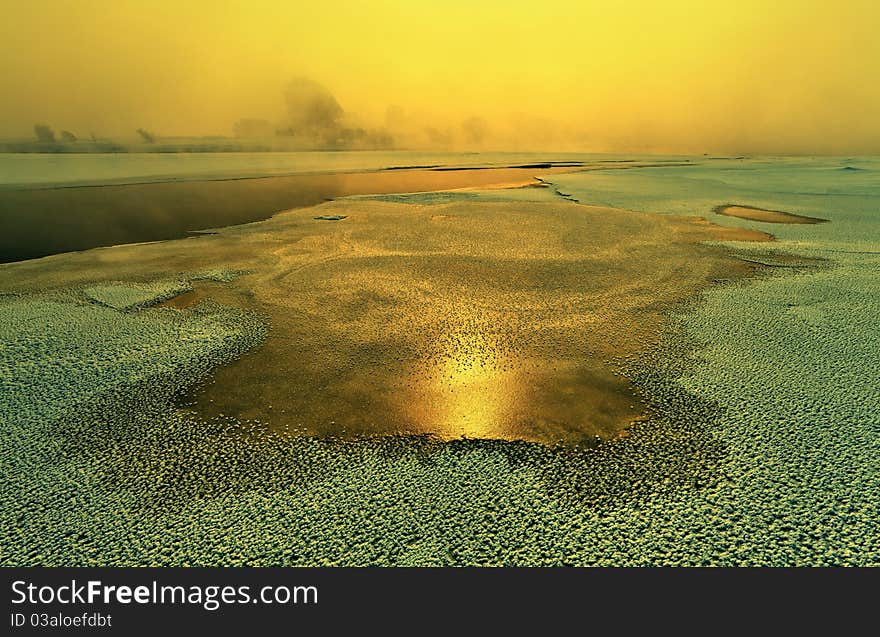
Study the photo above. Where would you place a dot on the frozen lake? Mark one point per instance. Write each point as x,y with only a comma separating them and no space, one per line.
52,203
32,170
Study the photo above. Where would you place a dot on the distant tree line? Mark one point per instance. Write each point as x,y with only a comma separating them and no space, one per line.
45,135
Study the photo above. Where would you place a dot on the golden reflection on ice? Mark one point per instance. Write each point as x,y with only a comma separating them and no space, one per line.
469,387
498,321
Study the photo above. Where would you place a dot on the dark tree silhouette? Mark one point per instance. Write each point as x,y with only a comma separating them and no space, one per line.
146,135
44,133
311,107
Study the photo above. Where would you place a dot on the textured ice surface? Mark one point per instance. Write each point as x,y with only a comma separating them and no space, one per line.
792,361
810,187
765,449
441,197
98,467
126,296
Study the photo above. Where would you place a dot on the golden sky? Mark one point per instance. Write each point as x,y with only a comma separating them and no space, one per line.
733,76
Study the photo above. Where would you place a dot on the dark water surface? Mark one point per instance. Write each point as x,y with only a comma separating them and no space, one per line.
40,222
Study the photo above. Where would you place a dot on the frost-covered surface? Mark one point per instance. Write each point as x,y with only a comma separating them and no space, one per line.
121,295
822,188
765,448
792,361
65,365
99,467
442,197
423,198
218,275
127,296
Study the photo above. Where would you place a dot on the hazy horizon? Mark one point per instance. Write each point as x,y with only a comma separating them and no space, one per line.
677,77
